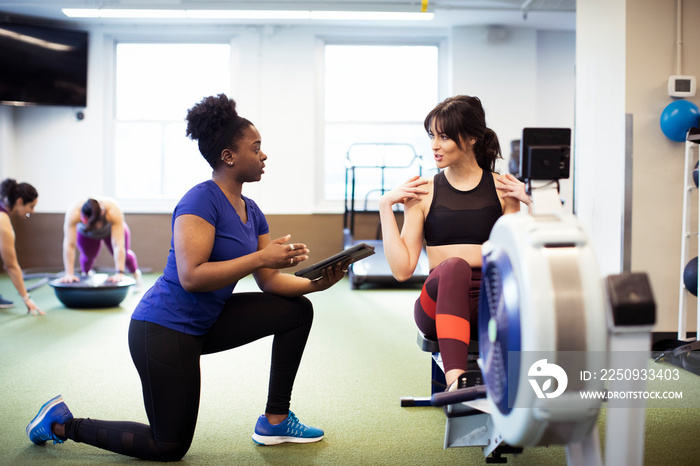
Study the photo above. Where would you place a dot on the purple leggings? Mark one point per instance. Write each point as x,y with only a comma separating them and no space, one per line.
90,247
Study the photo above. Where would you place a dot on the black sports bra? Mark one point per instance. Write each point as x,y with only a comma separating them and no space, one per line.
462,217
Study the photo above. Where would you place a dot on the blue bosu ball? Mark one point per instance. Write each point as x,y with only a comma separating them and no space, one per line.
92,292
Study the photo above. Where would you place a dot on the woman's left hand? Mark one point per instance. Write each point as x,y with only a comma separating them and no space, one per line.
510,186
331,275
116,278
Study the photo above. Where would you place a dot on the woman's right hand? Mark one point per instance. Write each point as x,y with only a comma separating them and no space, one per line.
407,191
69,278
32,308
278,255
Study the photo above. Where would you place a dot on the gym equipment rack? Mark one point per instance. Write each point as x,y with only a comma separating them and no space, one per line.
375,269
691,157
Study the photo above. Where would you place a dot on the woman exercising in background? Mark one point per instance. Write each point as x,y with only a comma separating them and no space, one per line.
86,226
454,213
18,199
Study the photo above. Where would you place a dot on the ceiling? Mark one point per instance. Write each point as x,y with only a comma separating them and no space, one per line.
539,14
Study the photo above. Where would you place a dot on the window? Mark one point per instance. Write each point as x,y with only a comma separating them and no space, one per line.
376,94
155,85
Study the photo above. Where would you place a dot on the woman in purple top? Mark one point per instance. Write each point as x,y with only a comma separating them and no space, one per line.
18,199
219,237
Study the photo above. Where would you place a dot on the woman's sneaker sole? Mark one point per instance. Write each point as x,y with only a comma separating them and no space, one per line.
269,440
290,430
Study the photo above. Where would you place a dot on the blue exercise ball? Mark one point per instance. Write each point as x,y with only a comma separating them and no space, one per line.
677,118
690,276
695,174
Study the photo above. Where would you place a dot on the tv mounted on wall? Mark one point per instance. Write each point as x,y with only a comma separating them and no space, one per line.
42,65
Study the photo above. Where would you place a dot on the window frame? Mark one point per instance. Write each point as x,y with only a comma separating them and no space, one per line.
144,204
321,203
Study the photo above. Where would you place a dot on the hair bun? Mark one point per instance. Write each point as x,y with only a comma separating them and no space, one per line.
7,187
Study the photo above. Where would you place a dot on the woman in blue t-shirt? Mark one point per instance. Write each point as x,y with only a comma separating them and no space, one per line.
219,236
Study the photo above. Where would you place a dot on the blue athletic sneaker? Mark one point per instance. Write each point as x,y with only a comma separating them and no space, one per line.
53,411
6,303
289,430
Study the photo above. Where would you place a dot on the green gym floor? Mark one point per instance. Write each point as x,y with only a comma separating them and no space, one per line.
360,359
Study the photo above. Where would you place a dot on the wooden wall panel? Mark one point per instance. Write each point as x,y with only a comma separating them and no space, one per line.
39,239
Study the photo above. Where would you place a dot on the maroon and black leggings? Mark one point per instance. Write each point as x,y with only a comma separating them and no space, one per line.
447,309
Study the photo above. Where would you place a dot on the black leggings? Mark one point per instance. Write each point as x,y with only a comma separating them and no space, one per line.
168,364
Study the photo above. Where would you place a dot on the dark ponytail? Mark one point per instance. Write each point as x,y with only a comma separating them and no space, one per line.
91,213
10,191
487,150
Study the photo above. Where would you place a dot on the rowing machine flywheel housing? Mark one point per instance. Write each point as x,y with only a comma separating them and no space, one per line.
541,323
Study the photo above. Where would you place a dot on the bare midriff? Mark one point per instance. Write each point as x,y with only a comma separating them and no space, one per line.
469,252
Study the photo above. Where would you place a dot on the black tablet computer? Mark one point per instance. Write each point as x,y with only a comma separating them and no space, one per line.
356,252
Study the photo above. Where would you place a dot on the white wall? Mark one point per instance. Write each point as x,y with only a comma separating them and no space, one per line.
600,125
556,83
658,161
524,78
276,86
283,108
625,54
556,93
502,72
62,157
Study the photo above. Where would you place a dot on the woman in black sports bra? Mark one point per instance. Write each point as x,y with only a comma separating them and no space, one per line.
453,213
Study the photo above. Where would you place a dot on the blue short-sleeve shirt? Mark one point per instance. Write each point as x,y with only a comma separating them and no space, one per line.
167,303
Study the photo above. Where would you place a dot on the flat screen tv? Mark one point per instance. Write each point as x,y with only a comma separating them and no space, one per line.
42,65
